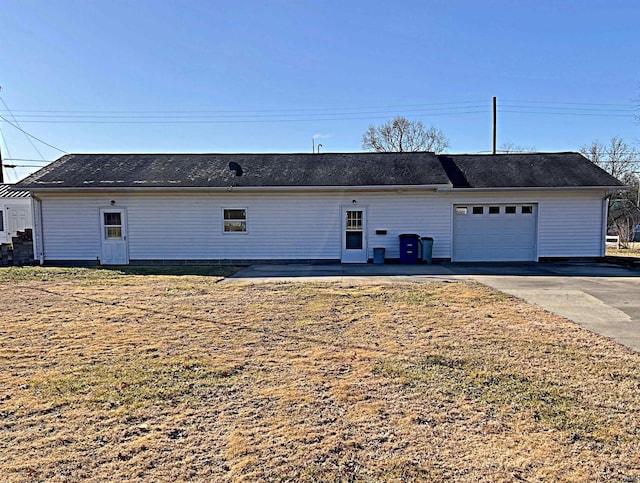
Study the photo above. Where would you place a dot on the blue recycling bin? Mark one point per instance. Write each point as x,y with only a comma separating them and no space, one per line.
409,246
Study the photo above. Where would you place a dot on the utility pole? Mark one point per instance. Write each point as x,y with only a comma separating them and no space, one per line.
495,121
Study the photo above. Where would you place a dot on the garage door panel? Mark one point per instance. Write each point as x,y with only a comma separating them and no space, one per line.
496,236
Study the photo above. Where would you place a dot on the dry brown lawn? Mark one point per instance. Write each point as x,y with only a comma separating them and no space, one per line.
632,251
112,376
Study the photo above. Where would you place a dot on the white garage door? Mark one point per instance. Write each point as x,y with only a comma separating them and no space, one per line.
494,232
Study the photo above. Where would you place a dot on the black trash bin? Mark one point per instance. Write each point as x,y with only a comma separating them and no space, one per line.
409,246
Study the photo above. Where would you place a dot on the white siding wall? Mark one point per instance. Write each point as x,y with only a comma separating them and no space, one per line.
280,226
298,226
571,226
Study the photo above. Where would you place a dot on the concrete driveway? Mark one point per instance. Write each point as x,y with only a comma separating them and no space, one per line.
600,297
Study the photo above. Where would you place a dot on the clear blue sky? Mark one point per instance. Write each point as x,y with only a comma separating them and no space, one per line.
260,76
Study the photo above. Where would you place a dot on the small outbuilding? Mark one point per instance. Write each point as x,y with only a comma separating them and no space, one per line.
15,212
239,208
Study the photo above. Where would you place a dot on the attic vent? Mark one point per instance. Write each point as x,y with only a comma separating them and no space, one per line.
233,166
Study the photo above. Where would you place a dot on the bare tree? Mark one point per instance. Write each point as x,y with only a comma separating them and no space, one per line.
515,148
400,135
624,217
617,158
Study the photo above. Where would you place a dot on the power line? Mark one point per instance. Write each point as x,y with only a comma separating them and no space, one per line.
221,111
31,135
316,117
16,121
421,106
236,116
4,141
568,113
567,103
567,109
242,121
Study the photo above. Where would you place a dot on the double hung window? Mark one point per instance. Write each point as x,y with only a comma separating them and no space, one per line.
235,220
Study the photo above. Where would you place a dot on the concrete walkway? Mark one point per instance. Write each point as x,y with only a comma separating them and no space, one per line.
602,298
336,272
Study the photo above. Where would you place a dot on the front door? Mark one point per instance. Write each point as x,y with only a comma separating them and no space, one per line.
354,235
113,224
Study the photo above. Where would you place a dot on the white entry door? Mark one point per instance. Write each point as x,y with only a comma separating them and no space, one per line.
354,234
18,219
113,224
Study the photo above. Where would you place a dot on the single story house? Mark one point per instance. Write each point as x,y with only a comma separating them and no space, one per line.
15,212
230,208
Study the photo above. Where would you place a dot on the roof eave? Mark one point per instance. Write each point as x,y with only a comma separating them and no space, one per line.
92,189
534,188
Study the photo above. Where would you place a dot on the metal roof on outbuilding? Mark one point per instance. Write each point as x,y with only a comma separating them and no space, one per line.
7,192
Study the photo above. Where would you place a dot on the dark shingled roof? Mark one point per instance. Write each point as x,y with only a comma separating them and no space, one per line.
540,170
220,170
534,170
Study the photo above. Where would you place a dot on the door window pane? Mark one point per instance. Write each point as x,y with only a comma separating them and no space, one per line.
354,240
527,210
111,232
478,210
112,225
112,219
354,230
494,210
354,220
510,210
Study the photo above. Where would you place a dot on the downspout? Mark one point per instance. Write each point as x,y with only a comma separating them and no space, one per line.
38,239
605,225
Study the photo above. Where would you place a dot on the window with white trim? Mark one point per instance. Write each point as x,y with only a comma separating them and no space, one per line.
235,220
